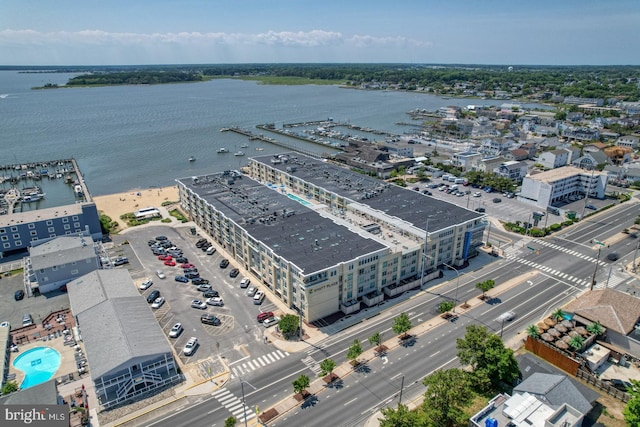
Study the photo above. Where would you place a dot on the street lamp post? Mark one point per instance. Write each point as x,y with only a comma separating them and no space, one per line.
502,328
244,405
635,255
455,298
595,270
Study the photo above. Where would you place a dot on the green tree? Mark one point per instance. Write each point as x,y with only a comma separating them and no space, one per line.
485,286
632,410
558,314
445,306
375,339
326,367
355,350
401,417
9,387
448,394
301,383
486,354
289,325
533,331
230,422
595,328
576,342
401,324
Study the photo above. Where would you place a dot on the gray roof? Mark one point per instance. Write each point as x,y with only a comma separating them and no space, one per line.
61,250
293,231
41,394
116,323
98,286
554,390
407,205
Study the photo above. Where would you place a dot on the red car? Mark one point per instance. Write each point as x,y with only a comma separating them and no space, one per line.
170,263
164,257
187,265
264,316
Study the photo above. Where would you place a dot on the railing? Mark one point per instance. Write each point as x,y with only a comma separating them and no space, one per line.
596,382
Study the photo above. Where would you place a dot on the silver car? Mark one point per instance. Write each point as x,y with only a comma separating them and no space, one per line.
176,330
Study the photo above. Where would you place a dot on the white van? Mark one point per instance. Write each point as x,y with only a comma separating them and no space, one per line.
258,298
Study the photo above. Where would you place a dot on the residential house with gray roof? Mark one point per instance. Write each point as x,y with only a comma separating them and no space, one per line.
128,353
554,158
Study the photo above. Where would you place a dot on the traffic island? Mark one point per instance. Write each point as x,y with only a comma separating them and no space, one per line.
268,415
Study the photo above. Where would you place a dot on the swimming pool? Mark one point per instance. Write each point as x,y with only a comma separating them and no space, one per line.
38,364
299,200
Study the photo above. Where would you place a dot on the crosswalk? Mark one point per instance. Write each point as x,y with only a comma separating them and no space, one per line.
257,362
576,254
312,364
233,405
564,276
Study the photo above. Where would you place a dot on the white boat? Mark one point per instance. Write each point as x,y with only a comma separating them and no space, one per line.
192,159
259,149
244,145
77,189
222,150
239,153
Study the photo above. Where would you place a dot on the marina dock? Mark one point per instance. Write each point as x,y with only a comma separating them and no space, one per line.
261,137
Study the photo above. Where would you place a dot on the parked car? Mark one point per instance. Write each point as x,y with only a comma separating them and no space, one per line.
161,238
621,384
153,295
170,263
190,270
252,291
593,208
245,282
211,250
190,346
497,200
146,284
27,320
234,272
199,281
158,302
187,265
204,288
211,293
224,263
165,257
613,256
270,322
161,274
166,244
210,319
202,243
258,298
152,243
121,261
182,279
191,275
182,260
196,303
481,210
261,317
176,330
217,301
18,295
477,194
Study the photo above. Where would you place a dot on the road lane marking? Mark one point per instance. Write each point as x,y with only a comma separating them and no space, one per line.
351,401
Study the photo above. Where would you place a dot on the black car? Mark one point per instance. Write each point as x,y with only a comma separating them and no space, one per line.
199,281
161,238
224,263
182,260
19,295
202,243
191,275
153,295
189,270
497,200
234,272
166,244
209,319
151,242
481,210
210,294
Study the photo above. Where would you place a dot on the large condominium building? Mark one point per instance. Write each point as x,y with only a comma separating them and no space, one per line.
324,239
557,185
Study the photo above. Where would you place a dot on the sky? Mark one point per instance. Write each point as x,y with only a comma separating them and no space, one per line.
135,32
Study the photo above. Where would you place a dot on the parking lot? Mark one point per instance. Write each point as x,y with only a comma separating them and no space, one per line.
238,334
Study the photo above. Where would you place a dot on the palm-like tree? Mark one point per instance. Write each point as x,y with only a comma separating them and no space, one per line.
558,314
533,331
595,328
576,342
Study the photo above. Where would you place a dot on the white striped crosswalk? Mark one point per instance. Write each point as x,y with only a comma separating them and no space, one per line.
576,254
257,362
233,405
557,273
311,363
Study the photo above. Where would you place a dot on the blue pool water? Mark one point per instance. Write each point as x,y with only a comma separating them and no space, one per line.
39,364
299,200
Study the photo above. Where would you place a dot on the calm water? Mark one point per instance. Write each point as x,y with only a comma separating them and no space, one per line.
128,137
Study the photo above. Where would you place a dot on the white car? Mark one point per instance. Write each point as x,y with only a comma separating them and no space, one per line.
477,194
196,303
190,346
161,274
267,323
176,330
245,282
146,284
215,301
158,302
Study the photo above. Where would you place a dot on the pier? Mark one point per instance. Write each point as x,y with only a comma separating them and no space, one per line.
253,137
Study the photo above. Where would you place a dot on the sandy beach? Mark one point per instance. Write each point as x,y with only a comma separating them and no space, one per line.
115,205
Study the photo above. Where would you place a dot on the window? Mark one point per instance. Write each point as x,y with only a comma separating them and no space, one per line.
51,229
31,226
16,236
65,220
74,272
3,230
54,268
76,224
67,227
6,245
49,222
14,229
33,233
75,217
18,242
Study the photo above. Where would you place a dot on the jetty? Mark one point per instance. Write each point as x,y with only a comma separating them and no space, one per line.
253,137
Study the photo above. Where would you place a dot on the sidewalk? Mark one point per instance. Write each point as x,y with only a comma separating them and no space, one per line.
318,385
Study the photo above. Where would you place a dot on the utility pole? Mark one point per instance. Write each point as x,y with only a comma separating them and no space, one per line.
244,405
635,255
595,270
455,298
401,387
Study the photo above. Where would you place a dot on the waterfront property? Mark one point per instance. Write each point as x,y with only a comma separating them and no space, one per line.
354,240
131,356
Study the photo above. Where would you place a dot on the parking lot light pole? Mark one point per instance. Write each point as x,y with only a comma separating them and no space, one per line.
244,404
455,298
